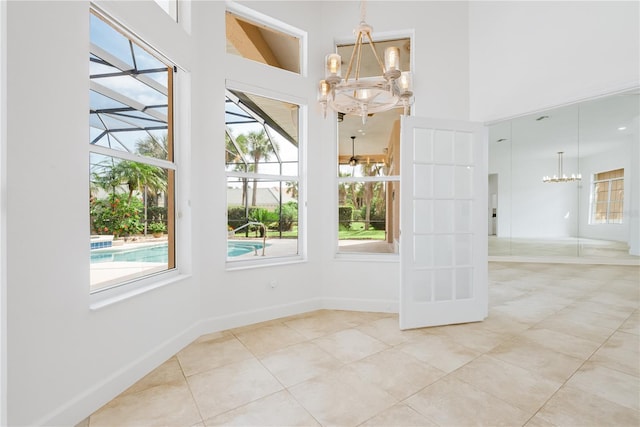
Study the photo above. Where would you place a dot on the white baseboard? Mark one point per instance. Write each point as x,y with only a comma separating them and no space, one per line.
249,317
359,304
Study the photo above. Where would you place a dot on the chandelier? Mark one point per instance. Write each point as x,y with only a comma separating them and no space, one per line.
561,177
362,96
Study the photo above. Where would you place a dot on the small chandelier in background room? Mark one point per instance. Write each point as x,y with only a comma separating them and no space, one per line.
366,95
561,177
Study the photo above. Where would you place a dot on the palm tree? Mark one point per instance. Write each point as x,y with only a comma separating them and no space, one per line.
157,148
140,176
292,188
369,169
259,147
233,157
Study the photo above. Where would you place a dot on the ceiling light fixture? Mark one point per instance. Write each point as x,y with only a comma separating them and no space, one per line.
353,160
561,177
362,96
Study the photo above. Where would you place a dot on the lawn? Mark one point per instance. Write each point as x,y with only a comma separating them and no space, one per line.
357,232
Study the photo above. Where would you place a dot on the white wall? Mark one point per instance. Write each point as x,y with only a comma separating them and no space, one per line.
63,359
3,214
528,56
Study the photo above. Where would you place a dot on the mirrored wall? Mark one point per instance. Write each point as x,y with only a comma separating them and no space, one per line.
565,182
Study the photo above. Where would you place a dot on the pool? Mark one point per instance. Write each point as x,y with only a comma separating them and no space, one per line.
149,253
237,248
159,253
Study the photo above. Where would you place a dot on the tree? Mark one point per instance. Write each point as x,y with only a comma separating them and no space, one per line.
292,188
154,147
233,155
369,169
259,147
140,176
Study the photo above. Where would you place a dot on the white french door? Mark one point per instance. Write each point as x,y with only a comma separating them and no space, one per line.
443,241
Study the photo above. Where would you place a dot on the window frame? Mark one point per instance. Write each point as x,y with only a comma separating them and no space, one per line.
300,256
260,19
594,199
342,42
128,286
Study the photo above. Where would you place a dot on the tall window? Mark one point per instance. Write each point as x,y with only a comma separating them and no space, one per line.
369,167
262,164
265,220
131,158
607,197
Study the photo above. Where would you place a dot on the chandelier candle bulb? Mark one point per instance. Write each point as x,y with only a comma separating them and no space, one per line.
392,62
323,90
404,83
333,71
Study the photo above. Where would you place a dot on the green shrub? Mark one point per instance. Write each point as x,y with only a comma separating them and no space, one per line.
114,215
236,217
345,216
157,227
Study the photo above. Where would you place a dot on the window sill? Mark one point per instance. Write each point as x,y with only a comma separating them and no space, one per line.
124,292
271,262
367,257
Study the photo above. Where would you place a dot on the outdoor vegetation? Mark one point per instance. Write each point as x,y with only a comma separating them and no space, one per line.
362,207
125,195
246,155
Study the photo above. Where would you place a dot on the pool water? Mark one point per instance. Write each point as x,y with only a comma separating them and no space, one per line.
159,253
241,248
156,253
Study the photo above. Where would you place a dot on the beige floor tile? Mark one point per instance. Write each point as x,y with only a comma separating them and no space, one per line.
349,345
269,338
396,372
439,352
203,355
162,405
620,352
169,372
526,354
524,311
519,387
323,323
299,363
538,421
469,335
388,331
561,342
451,402
591,332
230,386
573,407
595,304
278,409
581,314
341,398
399,415
501,323
615,386
632,324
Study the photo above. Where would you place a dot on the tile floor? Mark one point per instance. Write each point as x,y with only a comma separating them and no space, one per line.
559,348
